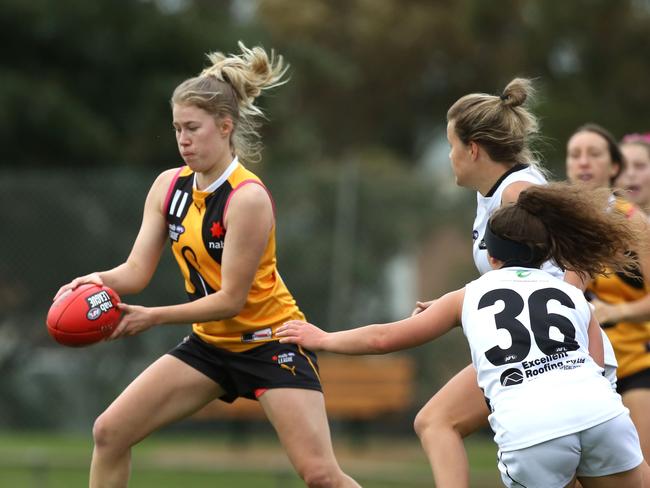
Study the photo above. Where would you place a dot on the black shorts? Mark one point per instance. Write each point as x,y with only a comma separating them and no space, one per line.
633,381
240,374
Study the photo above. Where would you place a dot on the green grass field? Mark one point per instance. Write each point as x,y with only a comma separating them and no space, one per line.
36,460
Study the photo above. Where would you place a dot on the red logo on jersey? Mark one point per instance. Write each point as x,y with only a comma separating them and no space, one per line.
216,230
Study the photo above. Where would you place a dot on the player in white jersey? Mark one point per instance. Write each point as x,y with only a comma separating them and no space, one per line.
535,344
491,201
487,204
490,138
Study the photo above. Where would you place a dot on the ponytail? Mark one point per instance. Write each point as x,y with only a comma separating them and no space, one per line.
503,125
229,87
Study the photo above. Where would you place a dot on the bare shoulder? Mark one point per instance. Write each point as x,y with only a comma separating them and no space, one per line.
165,178
511,192
252,204
251,196
160,186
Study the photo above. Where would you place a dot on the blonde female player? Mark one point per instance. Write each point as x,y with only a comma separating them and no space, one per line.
535,345
490,139
219,219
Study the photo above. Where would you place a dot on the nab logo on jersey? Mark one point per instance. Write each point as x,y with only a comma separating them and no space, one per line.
511,377
217,232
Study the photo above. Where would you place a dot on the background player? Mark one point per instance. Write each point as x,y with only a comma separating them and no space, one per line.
622,302
635,178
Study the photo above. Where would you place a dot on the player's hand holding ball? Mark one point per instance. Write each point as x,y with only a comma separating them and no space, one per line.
84,314
135,319
92,278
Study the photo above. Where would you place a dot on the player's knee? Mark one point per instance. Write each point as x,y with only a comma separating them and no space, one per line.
428,422
105,433
419,425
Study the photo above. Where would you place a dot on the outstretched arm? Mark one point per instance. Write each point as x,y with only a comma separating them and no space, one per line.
441,316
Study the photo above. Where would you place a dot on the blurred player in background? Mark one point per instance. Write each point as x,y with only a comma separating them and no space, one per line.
535,344
220,220
622,302
635,178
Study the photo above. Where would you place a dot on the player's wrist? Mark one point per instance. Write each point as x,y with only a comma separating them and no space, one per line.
324,342
622,312
161,316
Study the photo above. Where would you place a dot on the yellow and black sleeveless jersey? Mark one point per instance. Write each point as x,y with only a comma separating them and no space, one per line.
195,221
631,340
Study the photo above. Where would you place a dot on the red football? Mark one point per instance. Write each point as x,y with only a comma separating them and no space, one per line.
84,316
